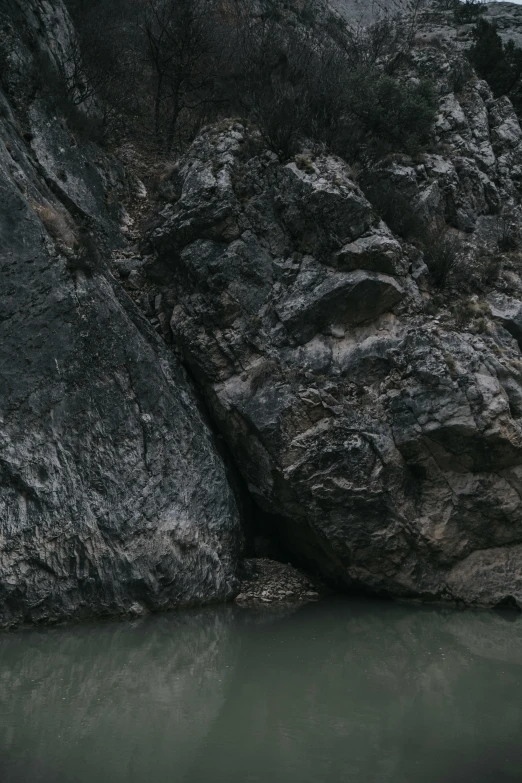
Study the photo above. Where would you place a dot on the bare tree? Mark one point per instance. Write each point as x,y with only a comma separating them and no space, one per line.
102,67
164,67
178,50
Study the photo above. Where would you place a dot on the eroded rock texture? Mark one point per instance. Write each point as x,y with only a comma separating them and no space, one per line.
385,441
113,497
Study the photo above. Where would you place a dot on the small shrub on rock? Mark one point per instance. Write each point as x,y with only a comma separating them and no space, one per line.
58,225
469,11
460,74
385,114
500,64
470,312
442,249
508,232
395,208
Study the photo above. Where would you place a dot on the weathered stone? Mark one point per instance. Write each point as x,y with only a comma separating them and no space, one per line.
386,446
113,498
321,207
509,312
341,298
378,252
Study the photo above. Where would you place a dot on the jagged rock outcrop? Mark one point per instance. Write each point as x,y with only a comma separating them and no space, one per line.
475,170
380,426
113,497
376,423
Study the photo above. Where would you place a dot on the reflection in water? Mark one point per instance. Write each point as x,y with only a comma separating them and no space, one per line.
357,691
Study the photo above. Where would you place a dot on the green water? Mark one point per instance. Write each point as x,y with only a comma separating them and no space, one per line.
353,691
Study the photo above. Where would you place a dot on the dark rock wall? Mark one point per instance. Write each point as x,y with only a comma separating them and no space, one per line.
384,438
113,497
380,434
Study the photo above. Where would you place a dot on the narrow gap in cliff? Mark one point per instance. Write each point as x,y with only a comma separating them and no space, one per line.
263,538
508,608
266,535
293,542
290,542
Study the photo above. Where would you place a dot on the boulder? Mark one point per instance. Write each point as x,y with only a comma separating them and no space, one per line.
339,299
320,206
378,252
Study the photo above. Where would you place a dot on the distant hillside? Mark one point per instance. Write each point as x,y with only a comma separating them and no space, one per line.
365,10
508,18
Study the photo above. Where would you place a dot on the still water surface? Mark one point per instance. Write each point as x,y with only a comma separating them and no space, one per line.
355,691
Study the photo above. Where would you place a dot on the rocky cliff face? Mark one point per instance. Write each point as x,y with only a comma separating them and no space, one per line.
377,423
113,497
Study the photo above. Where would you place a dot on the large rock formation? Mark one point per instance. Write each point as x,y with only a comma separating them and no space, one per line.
377,425
113,497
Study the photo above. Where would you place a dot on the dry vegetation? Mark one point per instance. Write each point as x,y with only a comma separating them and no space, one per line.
163,68
59,225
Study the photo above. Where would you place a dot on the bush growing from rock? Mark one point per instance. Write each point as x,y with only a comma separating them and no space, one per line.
500,64
395,208
385,113
59,224
468,11
295,73
442,249
294,87
508,232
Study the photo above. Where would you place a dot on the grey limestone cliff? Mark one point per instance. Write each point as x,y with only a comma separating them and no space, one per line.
376,421
113,497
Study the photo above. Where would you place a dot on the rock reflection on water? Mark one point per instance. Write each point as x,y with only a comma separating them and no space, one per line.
355,691
112,702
